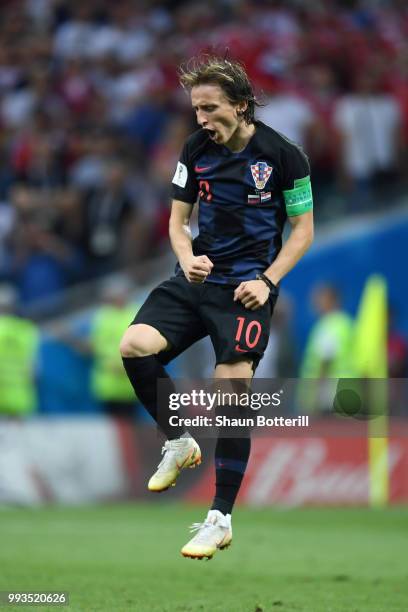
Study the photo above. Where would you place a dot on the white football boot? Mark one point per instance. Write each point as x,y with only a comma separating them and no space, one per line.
215,533
178,454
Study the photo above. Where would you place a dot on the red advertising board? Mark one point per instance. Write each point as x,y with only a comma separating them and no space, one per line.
312,471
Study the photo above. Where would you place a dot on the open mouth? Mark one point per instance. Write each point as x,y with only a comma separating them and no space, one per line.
212,133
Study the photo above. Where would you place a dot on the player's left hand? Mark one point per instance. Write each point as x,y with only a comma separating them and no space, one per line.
252,294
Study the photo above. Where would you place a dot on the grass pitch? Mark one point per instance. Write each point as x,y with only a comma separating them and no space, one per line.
125,558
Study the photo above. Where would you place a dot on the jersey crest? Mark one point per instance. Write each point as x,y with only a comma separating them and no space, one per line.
261,173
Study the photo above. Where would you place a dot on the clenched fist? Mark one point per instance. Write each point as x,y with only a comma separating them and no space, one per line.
196,269
252,294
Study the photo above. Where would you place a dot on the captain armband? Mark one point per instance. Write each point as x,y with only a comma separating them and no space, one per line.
299,200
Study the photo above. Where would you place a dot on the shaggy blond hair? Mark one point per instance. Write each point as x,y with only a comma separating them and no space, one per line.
228,74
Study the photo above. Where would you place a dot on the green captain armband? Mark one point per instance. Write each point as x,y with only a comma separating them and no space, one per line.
299,199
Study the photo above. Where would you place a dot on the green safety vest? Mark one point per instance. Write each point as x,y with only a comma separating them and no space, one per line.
108,379
19,340
314,396
339,326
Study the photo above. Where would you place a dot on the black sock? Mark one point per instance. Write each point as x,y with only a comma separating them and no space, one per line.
143,373
231,458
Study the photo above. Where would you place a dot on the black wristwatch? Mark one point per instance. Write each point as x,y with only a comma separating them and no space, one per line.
267,282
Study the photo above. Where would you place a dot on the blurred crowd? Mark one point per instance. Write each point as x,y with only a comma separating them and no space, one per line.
92,118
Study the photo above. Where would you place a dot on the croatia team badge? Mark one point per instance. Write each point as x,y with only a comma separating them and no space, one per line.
261,173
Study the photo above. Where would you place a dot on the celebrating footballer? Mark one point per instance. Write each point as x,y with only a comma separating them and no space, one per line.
247,180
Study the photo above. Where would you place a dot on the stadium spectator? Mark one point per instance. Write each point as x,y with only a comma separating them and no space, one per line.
74,38
89,154
164,159
42,263
368,123
113,233
291,113
318,83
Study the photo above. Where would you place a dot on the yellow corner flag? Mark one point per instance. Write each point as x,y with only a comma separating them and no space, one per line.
370,360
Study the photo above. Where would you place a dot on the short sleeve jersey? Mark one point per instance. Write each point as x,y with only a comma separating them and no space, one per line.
244,199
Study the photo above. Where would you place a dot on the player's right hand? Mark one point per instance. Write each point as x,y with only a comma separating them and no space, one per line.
196,269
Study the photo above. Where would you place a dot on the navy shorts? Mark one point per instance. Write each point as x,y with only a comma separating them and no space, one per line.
185,312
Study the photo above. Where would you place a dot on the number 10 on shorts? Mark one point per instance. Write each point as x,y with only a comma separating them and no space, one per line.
252,334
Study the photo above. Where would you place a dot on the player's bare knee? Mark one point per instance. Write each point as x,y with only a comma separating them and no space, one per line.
141,341
130,349
133,344
235,369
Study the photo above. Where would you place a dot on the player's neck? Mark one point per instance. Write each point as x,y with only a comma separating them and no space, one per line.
241,137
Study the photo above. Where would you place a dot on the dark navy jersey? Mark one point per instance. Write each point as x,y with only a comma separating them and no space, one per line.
242,208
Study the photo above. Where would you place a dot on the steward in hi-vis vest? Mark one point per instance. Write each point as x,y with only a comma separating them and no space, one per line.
19,339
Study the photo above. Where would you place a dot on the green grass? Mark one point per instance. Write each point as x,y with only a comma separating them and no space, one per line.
120,558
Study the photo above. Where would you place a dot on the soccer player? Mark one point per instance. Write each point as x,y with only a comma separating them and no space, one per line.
248,180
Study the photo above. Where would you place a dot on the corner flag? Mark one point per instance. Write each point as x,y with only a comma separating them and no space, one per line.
370,360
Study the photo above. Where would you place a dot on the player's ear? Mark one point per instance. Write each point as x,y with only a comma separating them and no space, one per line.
241,109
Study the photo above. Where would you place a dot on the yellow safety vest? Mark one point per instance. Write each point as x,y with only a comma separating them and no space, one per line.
314,395
108,379
18,348
340,326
